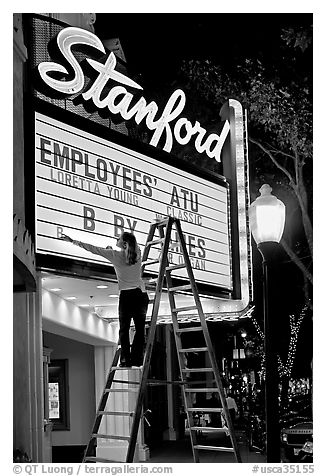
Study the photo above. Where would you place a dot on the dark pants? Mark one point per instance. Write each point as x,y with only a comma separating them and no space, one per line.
133,304
232,414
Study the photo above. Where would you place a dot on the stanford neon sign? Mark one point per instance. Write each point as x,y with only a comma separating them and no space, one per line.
119,100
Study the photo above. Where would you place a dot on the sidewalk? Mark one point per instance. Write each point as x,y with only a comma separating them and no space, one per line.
180,452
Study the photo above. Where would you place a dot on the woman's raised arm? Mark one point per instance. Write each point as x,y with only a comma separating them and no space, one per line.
107,253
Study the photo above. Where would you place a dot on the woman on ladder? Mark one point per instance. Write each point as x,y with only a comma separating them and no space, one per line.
133,299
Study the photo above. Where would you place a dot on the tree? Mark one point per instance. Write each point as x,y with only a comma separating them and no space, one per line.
278,99
285,368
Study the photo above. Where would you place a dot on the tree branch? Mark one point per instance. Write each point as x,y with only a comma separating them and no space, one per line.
270,155
306,293
277,151
302,193
297,184
297,261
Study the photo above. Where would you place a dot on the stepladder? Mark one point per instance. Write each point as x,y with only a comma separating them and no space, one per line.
198,376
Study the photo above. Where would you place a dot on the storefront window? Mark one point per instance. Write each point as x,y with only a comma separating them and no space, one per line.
54,402
58,394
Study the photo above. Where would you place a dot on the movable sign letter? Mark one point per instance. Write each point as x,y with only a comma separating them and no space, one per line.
44,151
192,247
89,216
118,225
132,225
126,181
61,157
87,172
174,197
76,158
201,245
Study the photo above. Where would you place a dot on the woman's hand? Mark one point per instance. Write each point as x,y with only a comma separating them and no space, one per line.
65,238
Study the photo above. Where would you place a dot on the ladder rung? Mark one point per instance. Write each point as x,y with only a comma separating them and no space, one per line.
98,459
150,261
175,266
110,437
130,414
199,369
190,329
124,368
195,382
126,381
205,410
194,349
214,448
160,222
152,383
186,308
121,390
155,242
201,390
207,428
184,287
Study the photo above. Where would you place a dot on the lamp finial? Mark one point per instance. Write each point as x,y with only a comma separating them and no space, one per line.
265,189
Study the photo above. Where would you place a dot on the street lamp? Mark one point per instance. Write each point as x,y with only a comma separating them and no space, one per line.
267,218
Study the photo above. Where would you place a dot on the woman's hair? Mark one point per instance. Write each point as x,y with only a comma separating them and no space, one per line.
131,247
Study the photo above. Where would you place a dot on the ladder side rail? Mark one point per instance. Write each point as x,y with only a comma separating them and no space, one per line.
148,245
149,238
181,361
208,340
102,405
149,346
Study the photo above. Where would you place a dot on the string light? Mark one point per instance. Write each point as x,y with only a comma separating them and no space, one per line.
285,370
294,329
257,326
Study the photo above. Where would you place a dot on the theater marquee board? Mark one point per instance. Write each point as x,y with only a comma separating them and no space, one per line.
91,182
91,188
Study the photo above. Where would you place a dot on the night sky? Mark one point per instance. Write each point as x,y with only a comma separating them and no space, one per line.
155,44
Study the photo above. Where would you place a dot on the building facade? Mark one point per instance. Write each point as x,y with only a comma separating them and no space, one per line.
64,346
40,337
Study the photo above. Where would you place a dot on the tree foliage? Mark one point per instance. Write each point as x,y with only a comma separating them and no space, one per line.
278,99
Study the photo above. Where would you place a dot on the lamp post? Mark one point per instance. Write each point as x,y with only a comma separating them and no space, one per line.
266,218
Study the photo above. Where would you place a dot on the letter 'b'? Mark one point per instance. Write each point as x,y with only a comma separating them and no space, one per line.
89,215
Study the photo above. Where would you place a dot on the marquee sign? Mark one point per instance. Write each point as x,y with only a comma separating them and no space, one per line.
118,100
91,189
92,183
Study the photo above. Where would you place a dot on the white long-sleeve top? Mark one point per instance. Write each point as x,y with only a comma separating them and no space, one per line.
129,275
231,403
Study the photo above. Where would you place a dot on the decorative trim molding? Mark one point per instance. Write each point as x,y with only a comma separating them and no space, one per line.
187,318
19,47
24,258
